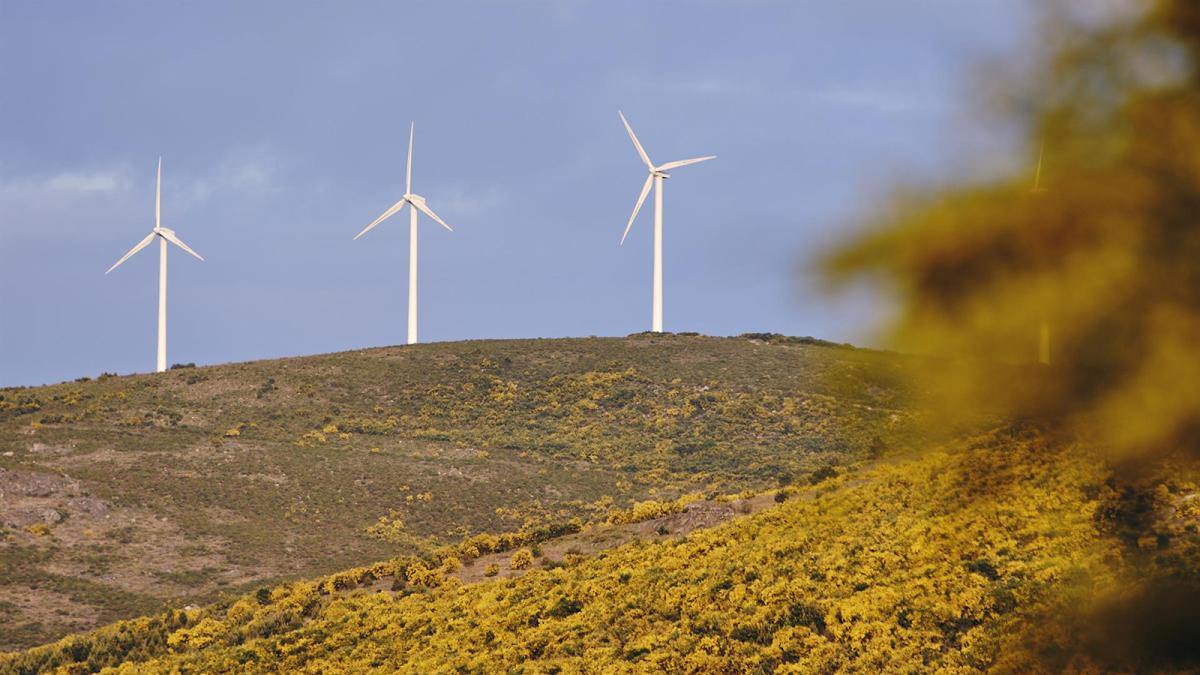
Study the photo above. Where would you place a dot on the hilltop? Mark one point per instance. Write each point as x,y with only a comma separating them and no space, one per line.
123,496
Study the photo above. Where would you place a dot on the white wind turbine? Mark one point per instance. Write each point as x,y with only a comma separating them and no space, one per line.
657,174
418,204
164,235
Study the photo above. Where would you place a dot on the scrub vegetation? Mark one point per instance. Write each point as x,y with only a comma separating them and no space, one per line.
985,553
123,495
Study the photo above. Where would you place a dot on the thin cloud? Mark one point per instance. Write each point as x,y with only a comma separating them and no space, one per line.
879,100
74,200
61,200
705,86
468,202
872,98
90,182
720,87
67,184
242,171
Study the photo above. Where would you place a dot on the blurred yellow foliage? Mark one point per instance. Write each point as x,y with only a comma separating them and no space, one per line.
1107,251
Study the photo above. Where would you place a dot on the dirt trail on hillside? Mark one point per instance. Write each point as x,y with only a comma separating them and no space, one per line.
595,538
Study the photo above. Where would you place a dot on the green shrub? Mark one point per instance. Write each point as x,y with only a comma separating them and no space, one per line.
564,607
822,474
803,614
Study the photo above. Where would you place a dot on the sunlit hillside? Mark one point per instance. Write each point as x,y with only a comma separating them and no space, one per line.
1006,194
991,552
121,496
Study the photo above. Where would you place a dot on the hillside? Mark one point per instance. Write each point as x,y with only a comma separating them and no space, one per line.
121,496
992,552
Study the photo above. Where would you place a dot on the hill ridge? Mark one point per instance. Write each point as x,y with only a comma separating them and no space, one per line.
189,483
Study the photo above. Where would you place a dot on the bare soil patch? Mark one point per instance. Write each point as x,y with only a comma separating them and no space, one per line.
596,538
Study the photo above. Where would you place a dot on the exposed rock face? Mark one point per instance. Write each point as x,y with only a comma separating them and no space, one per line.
17,483
28,498
43,449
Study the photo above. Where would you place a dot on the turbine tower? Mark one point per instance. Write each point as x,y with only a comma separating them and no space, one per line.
657,174
164,235
418,204
1044,332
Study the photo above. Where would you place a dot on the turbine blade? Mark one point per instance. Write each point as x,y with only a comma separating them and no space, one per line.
158,197
684,162
408,172
169,235
141,245
386,214
429,212
638,207
637,144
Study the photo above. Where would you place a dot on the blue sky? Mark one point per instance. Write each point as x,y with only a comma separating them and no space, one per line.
283,126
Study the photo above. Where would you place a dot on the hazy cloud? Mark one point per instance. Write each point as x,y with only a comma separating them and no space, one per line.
63,200
95,181
244,170
64,185
880,100
76,199
468,201
868,97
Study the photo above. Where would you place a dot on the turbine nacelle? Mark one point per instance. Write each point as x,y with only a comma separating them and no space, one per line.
659,171
409,197
158,231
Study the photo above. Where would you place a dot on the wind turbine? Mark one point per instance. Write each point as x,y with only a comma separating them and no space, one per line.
657,174
1044,333
164,235
418,204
